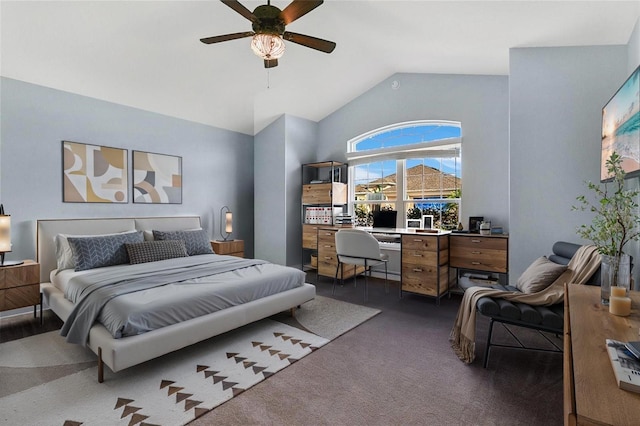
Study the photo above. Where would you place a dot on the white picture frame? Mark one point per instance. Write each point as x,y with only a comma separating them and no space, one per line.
414,223
427,221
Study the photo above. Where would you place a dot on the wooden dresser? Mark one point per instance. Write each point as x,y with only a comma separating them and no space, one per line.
19,285
488,253
424,264
591,394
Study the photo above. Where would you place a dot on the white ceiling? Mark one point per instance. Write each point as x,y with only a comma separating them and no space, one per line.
147,54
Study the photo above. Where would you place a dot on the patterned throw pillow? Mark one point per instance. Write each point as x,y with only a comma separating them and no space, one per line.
154,251
196,241
96,252
64,255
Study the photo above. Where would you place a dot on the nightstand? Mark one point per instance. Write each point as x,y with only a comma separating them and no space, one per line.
20,286
229,247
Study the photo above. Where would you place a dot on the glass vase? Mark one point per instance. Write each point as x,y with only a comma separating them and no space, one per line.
614,271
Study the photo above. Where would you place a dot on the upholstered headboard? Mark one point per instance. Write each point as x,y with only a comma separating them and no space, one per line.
48,229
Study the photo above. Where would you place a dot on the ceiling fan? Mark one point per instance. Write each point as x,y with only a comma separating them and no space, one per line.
268,24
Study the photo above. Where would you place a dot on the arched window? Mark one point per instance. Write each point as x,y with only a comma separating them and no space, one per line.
412,167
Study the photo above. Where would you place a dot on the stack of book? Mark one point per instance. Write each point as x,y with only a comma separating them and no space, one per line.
343,219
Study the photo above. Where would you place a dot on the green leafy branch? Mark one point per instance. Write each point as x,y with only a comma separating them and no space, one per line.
616,220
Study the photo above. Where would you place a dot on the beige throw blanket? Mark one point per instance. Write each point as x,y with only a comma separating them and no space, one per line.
581,267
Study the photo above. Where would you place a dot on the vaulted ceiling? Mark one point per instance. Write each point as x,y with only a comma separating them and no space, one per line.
147,54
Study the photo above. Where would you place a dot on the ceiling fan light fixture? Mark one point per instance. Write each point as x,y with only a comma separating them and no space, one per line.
268,46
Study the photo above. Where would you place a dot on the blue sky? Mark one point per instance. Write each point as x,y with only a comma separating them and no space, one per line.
407,136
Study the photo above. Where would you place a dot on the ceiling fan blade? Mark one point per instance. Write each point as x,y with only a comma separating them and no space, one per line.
270,63
298,8
226,37
235,5
308,41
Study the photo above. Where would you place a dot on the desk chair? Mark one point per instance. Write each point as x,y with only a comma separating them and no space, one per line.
360,248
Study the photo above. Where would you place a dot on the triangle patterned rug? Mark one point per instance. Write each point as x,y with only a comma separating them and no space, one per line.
44,380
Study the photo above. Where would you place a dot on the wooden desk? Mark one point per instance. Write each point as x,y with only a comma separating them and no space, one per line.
588,373
424,258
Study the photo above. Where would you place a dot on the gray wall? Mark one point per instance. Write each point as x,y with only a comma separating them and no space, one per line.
480,103
300,149
556,98
269,192
280,149
633,49
217,164
633,61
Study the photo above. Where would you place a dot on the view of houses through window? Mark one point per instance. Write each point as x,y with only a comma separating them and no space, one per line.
414,168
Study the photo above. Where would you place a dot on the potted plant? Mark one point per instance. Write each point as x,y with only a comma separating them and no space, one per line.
615,224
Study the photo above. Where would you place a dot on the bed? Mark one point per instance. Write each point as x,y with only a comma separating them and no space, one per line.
124,352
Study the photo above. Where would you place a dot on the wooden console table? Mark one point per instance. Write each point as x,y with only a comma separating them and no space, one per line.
591,394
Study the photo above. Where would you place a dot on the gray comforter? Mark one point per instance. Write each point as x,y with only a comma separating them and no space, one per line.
134,299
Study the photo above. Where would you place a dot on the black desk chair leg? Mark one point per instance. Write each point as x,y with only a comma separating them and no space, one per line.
335,278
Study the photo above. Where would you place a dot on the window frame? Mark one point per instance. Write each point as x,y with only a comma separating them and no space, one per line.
437,148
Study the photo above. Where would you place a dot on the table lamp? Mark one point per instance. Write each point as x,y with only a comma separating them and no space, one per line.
226,231
5,238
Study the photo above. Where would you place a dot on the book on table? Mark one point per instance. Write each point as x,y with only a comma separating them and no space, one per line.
634,348
626,366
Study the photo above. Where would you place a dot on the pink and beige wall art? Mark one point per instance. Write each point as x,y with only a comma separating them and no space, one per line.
94,174
157,178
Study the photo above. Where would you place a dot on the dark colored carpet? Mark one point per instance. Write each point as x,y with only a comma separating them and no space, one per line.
395,369
398,368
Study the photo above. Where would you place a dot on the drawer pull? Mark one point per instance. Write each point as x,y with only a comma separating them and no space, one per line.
476,241
328,234
327,246
417,240
417,270
327,258
476,263
475,252
417,255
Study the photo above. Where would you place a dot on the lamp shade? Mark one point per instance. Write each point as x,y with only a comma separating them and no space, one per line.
228,222
267,46
5,233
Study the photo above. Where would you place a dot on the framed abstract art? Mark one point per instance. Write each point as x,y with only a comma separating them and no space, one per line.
157,178
94,174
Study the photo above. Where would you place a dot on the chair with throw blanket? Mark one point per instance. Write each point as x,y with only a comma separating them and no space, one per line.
359,248
535,302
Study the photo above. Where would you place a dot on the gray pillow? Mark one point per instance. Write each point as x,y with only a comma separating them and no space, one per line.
539,275
196,241
154,251
96,252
